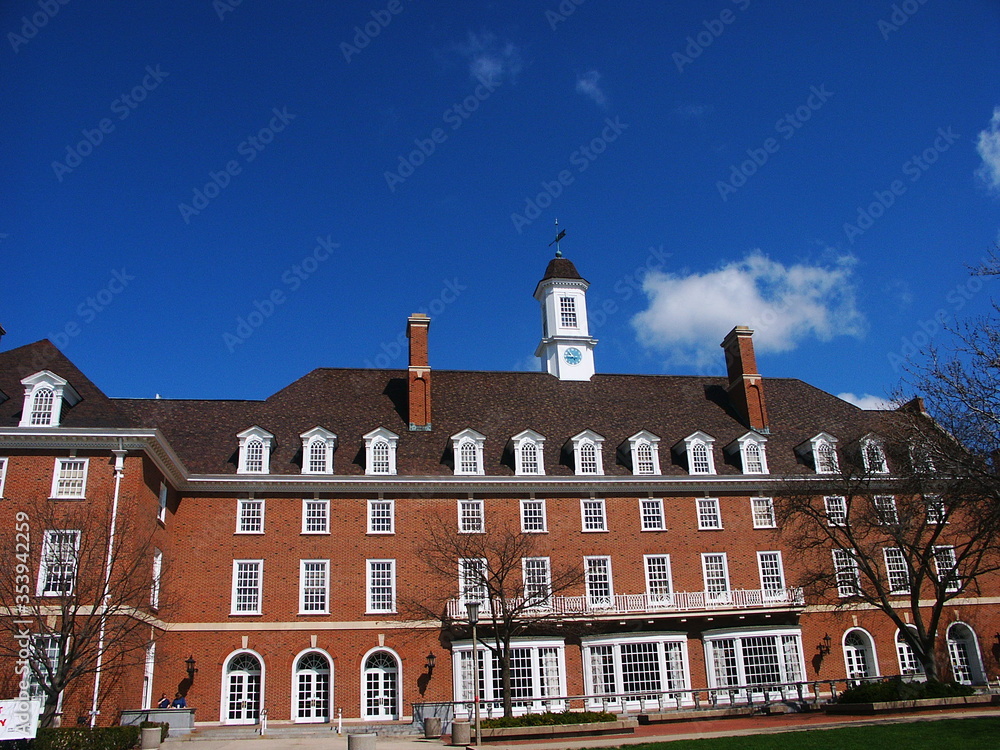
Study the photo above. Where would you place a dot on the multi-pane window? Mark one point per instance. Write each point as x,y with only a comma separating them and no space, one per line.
874,458
528,455
70,478
754,461
896,571
592,512
380,463
640,667
57,574
154,589
700,460
533,516
467,448
255,451
161,514
597,571
536,677
937,511
908,662
772,574
472,579
588,459
49,648
567,312
315,516
659,587
754,659
709,516
651,513
825,456
587,448
644,463
529,458
381,585
380,451
318,445
846,569
716,572
317,457
247,582
250,517
314,586
763,512
836,510
946,566
253,456
41,407
885,510
537,580
381,517
470,517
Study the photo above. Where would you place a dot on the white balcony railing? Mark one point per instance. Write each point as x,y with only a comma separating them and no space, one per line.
623,604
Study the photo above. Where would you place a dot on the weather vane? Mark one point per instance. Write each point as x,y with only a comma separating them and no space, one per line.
559,236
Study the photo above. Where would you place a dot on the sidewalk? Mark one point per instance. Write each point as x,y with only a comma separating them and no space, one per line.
647,733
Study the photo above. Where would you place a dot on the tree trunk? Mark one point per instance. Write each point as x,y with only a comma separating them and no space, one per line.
928,659
50,710
508,704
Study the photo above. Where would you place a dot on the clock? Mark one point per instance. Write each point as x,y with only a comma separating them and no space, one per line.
572,356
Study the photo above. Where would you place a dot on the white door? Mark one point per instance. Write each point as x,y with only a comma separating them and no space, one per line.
965,664
381,687
857,656
243,699
312,687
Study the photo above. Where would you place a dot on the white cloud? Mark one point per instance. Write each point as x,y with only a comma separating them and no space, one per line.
491,59
589,84
988,146
867,401
689,314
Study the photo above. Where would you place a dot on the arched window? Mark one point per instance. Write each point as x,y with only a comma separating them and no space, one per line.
588,459
753,462
859,655
312,688
381,686
254,461
908,662
468,457
380,457
529,458
826,458
317,457
644,459
699,459
41,407
963,651
242,685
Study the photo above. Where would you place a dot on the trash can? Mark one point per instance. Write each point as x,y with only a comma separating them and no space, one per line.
461,733
361,741
432,727
150,738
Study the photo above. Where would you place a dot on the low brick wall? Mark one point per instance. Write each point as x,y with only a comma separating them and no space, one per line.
922,704
622,726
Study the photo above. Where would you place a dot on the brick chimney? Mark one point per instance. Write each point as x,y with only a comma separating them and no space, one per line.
419,378
746,386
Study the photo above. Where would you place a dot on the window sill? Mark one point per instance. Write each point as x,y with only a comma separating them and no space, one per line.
325,612
662,528
381,533
595,531
249,533
711,528
68,497
312,533
381,612
246,614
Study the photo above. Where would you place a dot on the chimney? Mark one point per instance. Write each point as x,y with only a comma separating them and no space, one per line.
746,386
419,377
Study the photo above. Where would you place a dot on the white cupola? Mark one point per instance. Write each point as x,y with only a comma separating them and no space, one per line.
566,348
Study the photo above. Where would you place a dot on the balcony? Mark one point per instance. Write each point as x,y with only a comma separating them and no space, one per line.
680,602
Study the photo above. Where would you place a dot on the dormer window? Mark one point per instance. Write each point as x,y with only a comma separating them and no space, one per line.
528,453
318,445
587,452
821,450
873,456
44,395
698,448
752,456
380,451
255,451
467,447
645,451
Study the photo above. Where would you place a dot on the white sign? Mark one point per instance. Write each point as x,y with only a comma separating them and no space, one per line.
19,719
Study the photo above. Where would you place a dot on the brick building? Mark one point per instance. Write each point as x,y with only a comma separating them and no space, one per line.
291,534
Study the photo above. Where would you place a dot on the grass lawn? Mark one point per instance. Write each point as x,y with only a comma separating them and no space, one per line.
962,734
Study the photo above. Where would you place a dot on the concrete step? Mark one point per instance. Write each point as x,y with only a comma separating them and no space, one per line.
384,729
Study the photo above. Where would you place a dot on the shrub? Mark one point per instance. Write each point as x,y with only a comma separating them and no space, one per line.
102,738
897,689
549,718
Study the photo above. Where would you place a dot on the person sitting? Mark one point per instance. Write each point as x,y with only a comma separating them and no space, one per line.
179,702
164,701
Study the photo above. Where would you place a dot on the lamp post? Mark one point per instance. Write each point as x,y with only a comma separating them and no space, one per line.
473,610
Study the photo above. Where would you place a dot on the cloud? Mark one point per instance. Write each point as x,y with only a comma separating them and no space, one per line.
988,146
867,401
491,59
688,315
589,84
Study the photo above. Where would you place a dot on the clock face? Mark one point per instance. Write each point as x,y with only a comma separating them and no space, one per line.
572,356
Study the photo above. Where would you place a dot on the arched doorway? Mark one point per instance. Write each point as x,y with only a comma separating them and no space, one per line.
859,655
908,662
312,688
243,688
381,686
963,650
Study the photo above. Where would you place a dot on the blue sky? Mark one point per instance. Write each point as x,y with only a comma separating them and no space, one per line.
210,199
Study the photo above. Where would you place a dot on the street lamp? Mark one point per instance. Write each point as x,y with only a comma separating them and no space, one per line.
473,610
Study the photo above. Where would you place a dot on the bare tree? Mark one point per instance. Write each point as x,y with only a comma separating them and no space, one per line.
506,570
77,592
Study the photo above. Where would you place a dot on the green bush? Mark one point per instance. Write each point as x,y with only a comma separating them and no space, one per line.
897,689
164,727
102,738
549,718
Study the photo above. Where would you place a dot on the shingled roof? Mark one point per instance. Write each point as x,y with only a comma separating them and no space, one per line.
561,268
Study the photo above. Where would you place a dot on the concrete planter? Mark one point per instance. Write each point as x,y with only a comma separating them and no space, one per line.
922,704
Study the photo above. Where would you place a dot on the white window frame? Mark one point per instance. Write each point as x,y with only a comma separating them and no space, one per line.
762,511
651,516
885,510
471,515
250,437
906,656
244,515
521,442
324,567
593,515
709,513
539,665
597,568
848,575
610,670
824,454
380,509
61,391
154,588
716,595
323,439
936,510
694,442
645,440
896,573
533,512
62,554
568,317
654,596
537,588
472,591
468,440
161,513
771,557
787,646
872,448
947,550
370,597
590,439
746,444
835,507
258,589
307,518
3,474
59,478
374,440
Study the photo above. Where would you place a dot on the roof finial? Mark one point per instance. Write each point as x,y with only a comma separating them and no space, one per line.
559,236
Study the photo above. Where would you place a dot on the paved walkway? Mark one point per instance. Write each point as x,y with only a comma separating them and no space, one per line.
648,733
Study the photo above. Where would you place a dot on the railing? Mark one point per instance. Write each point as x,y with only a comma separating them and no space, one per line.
621,604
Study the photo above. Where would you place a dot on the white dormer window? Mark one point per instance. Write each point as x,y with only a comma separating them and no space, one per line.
645,449
587,452
700,458
467,447
380,451
317,451
44,394
825,454
528,455
752,456
873,456
255,451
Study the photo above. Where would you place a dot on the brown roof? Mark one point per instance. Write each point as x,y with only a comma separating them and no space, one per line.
561,268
